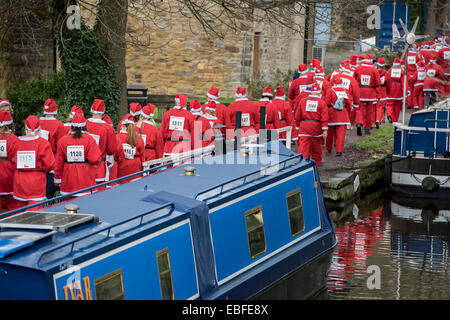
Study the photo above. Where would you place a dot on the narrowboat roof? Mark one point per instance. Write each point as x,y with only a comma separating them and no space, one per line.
148,198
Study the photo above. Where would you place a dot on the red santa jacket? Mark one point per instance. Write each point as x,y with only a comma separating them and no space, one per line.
33,158
129,159
394,79
249,117
368,79
381,91
203,134
286,117
338,117
76,163
7,168
443,59
220,112
51,130
272,116
298,86
351,85
418,78
434,73
153,140
176,128
412,58
311,116
105,137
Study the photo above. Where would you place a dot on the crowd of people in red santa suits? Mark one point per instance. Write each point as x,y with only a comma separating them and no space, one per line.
319,108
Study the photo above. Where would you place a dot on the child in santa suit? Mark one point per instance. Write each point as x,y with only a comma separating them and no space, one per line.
77,159
338,115
213,95
394,79
416,83
150,134
33,159
131,153
311,117
381,92
7,144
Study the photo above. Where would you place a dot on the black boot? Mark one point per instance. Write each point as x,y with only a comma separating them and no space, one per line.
358,130
338,154
377,124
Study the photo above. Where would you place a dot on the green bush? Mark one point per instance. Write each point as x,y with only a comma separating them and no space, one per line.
28,99
255,87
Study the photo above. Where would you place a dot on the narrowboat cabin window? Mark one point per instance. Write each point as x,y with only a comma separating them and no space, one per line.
110,286
255,232
165,274
295,211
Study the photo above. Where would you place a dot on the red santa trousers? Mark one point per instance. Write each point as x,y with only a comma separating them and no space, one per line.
337,132
381,103
311,145
393,109
365,114
418,97
9,203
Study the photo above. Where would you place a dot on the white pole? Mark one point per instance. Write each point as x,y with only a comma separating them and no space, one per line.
393,22
405,78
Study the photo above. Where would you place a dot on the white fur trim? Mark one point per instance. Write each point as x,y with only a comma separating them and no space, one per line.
6,123
211,96
78,125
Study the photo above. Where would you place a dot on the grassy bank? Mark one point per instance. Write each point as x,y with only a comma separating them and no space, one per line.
379,143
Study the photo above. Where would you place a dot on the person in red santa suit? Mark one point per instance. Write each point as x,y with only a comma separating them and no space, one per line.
412,58
381,92
394,89
416,83
324,84
301,84
7,143
433,85
68,123
443,59
424,52
33,158
368,79
213,95
339,108
311,117
177,127
131,152
272,120
77,159
249,115
285,113
105,137
202,134
315,65
352,87
150,134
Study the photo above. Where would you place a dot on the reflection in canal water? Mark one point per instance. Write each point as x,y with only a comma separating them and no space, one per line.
407,247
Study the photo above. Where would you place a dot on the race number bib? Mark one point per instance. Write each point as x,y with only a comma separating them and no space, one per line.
3,149
341,94
245,119
447,55
396,73
411,59
26,159
44,134
365,80
431,72
176,123
96,138
346,83
421,76
128,151
75,153
144,138
311,106
382,80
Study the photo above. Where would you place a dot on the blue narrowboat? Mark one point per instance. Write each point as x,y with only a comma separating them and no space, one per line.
250,225
421,158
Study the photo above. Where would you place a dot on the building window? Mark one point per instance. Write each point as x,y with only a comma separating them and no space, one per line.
295,211
165,274
255,232
110,286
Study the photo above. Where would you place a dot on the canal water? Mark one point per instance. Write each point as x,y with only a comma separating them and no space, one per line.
391,249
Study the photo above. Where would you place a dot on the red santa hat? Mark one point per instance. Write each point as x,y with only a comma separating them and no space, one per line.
180,101
32,124
78,120
128,119
267,92
361,58
135,109
195,106
148,110
396,62
213,93
50,107
369,58
4,103
431,44
320,73
241,93
381,62
211,106
302,68
280,93
315,89
74,110
315,63
5,118
98,106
